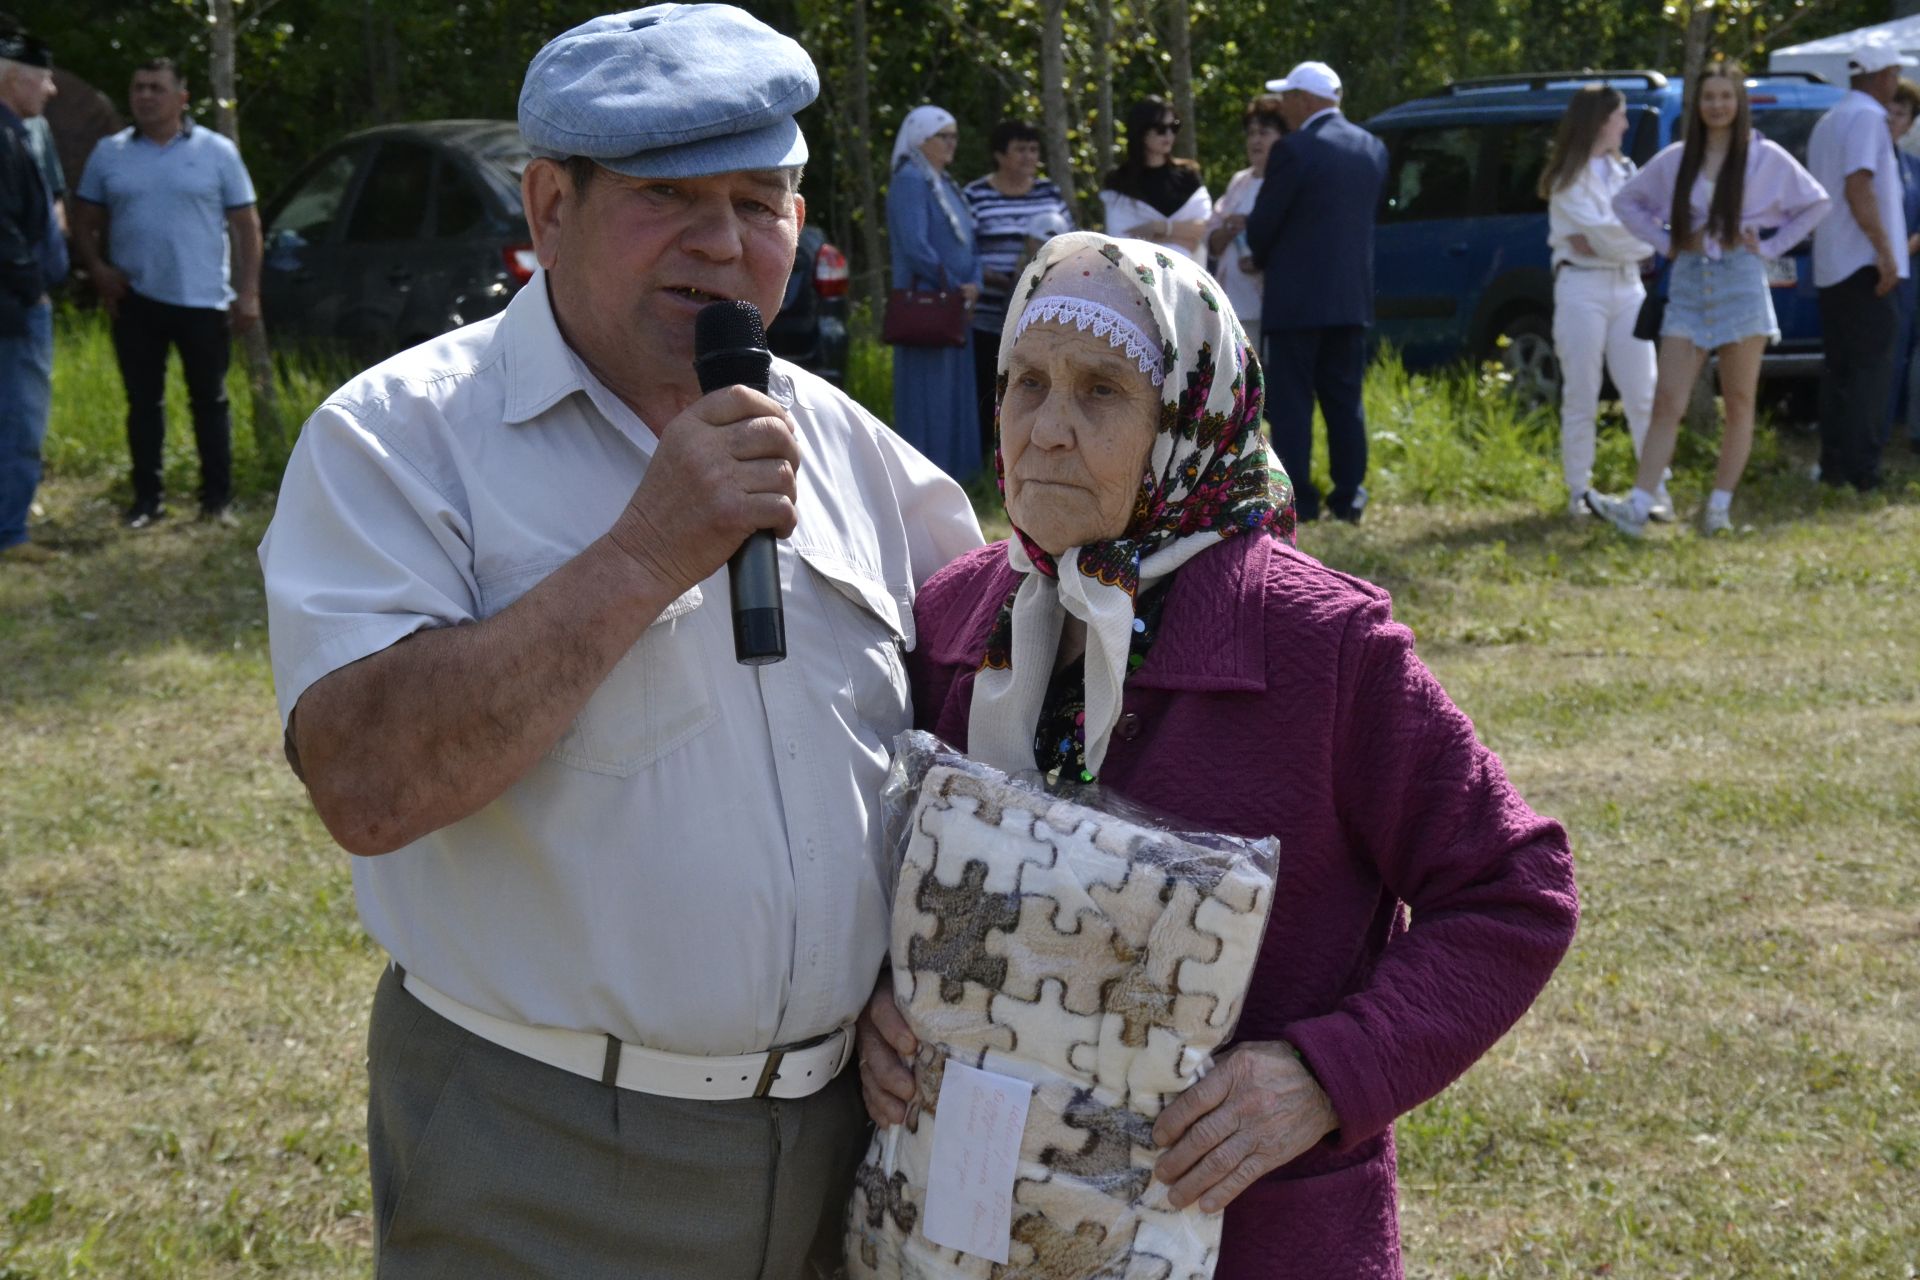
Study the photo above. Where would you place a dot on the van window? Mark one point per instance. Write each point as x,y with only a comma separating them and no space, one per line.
1520,155
1789,126
1432,174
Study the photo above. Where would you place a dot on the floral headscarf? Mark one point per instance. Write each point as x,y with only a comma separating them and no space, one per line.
1209,477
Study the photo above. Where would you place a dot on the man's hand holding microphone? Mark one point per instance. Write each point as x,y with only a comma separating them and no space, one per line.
722,484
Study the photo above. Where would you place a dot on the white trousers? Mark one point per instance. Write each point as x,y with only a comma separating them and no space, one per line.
1593,315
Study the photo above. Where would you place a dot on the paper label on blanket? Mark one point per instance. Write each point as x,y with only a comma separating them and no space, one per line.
976,1151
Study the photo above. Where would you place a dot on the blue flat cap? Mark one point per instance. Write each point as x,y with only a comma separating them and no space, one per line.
670,91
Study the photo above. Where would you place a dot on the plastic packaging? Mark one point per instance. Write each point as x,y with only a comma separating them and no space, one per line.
1088,946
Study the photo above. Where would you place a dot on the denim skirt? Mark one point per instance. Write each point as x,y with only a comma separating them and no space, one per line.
1712,303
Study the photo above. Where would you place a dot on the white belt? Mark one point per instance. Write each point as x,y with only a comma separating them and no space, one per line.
777,1073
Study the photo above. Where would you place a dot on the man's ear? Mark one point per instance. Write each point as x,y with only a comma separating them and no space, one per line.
799,212
544,188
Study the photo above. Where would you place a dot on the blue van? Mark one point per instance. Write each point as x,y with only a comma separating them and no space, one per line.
1460,257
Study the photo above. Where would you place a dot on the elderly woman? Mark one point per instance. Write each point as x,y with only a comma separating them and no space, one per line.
931,235
1150,626
1155,195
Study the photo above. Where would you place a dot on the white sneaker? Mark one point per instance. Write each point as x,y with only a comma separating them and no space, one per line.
1715,522
1577,505
1662,508
1617,512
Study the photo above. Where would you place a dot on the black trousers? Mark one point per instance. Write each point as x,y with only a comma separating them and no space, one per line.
986,380
142,333
1325,364
1858,331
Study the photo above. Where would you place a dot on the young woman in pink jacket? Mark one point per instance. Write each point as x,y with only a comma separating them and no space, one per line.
1718,203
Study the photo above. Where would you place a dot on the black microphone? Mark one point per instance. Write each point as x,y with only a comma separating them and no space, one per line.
730,349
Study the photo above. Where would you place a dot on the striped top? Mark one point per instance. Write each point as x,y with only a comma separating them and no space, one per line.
1000,233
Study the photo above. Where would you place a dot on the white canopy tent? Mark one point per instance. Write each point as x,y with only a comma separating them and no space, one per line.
1827,57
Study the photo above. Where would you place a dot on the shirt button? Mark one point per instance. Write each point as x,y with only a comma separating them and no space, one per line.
1129,727
793,746
813,957
813,851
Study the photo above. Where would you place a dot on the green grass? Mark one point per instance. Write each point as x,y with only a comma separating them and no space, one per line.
1720,1082
87,433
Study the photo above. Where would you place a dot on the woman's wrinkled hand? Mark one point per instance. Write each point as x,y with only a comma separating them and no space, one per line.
1256,1110
885,1047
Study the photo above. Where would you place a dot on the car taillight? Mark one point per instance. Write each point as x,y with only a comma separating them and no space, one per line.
830,272
521,263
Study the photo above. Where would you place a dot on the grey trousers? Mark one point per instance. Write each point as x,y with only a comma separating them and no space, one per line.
489,1164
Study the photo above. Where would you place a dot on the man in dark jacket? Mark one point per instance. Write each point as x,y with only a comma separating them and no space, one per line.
26,315
1312,231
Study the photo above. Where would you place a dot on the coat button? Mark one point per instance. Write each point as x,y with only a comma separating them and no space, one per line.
1129,727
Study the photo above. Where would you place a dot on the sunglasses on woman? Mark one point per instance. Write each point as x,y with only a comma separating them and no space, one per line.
1166,126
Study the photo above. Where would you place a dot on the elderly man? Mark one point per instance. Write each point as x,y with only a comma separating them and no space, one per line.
1311,230
1859,258
157,208
26,315
634,891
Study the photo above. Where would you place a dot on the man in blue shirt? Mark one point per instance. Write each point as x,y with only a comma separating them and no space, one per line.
153,218
26,316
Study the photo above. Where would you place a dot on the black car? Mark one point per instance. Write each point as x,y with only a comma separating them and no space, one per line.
397,234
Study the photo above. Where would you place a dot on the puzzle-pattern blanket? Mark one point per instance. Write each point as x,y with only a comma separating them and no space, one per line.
1099,959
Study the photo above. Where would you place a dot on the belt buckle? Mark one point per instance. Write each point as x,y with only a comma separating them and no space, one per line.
769,1073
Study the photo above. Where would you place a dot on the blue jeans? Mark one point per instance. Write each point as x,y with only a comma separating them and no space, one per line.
26,395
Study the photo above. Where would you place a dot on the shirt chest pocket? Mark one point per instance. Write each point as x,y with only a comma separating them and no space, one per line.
657,698
871,628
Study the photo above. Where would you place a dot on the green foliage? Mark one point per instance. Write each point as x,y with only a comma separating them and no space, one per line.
312,70
869,365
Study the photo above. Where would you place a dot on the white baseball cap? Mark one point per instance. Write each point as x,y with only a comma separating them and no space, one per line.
1876,55
1316,78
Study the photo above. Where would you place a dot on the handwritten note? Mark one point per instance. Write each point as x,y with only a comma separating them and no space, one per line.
976,1150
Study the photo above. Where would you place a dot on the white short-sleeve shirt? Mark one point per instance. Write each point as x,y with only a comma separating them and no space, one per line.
1851,137
696,864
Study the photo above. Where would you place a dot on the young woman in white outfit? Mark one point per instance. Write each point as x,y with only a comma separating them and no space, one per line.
1155,195
1596,285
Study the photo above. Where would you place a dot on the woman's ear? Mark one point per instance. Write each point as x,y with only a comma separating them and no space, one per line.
544,191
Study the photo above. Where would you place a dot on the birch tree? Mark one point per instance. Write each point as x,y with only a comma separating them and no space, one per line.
269,435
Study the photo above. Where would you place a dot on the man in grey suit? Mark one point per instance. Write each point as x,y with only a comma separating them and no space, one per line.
1312,231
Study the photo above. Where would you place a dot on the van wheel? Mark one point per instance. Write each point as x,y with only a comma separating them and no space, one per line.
1525,351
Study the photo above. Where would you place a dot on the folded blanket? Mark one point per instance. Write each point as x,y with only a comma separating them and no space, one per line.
1098,958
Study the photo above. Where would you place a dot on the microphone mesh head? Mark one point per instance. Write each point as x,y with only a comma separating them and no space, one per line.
728,326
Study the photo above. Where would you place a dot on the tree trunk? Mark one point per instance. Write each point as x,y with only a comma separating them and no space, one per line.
1053,98
1180,47
1103,158
269,437
1694,56
383,62
873,273
1700,415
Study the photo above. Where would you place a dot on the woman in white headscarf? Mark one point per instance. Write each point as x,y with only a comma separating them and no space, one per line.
930,232
1150,626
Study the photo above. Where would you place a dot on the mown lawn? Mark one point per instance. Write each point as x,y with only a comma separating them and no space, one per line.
1722,1080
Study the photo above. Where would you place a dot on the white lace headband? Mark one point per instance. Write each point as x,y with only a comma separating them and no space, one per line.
1105,322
